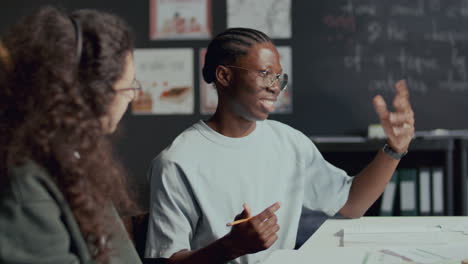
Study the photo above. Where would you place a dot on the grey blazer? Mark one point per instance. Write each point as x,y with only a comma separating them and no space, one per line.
37,224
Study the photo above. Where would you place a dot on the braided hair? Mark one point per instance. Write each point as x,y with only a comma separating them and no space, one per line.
229,45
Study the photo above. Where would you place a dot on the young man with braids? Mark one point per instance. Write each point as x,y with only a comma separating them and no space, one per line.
240,158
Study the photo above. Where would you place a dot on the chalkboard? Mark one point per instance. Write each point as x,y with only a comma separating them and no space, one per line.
347,51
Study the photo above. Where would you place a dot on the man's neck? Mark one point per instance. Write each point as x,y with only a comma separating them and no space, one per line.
231,125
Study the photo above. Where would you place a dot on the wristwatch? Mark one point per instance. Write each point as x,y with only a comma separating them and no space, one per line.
395,155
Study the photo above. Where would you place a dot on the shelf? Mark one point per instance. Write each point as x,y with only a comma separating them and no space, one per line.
354,154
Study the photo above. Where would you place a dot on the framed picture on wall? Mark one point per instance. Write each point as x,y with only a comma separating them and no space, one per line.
180,19
272,17
166,76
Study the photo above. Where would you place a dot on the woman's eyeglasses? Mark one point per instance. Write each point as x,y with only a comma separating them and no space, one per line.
135,89
268,78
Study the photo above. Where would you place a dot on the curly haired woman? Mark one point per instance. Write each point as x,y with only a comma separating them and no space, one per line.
65,82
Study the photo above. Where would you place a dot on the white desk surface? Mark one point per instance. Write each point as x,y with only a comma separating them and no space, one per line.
324,246
328,235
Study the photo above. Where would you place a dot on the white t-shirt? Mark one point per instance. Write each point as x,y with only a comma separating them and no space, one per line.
199,183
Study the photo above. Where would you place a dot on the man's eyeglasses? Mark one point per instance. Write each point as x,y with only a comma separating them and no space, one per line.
135,89
268,78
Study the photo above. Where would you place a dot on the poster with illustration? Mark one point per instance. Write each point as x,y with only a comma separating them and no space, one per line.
208,94
272,17
180,19
166,76
284,104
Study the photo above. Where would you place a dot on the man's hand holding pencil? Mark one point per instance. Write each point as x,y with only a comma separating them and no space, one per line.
251,234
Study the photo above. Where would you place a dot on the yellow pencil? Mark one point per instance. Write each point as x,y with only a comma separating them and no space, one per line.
238,221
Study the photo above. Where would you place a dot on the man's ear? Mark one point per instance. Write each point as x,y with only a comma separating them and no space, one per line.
223,75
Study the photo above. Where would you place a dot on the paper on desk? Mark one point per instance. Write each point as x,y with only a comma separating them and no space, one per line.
462,226
322,255
334,255
285,256
394,239
378,236
391,255
430,255
368,228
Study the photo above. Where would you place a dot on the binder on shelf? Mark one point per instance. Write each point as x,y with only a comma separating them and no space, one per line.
408,197
388,198
424,192
438,191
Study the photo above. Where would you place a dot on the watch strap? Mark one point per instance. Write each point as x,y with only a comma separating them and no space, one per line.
393,154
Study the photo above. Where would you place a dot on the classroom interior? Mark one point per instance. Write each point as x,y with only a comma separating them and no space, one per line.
341,55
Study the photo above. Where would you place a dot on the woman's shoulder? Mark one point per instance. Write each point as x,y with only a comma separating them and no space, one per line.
31,217
30,183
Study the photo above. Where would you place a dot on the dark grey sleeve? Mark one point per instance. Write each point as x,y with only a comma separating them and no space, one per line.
33,233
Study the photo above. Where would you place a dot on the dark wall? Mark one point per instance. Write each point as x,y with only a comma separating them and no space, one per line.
344,53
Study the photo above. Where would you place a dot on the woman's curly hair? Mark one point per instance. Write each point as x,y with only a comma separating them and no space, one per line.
52,102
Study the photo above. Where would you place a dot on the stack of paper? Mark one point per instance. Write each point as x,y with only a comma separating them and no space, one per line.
378,236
